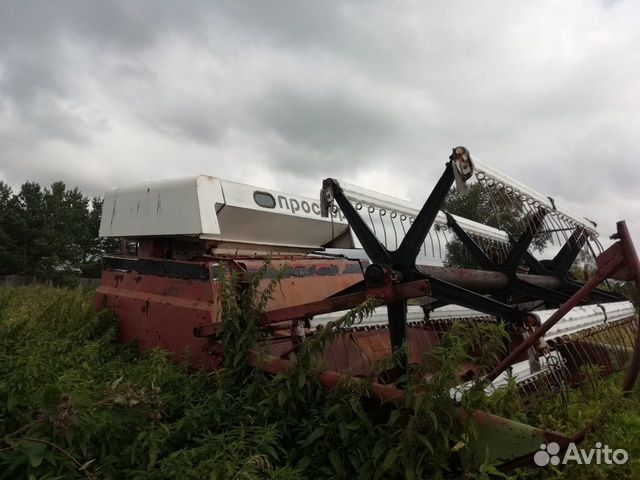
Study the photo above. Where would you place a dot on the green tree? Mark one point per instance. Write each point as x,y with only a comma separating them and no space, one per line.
51,233
29,220
94,246
65,231
493,210
9,263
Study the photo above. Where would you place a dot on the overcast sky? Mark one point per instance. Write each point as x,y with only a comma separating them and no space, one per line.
284,93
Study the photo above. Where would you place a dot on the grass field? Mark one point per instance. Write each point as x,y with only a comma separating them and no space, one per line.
76,404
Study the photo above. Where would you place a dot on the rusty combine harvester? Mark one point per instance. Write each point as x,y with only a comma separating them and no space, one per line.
353,244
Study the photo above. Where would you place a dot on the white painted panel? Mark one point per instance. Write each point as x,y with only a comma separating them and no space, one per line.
488,171
158,208
583,317
213,209
392,204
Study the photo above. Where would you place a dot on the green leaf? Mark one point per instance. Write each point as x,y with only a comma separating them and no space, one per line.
302,380
343,431
355,425
51,396
153,455
390,459
434,419
334,458
417,406
303,463
393,418
331,410
378,450
116,382
35,451
86,464
282,397
426,443
492,470
315,435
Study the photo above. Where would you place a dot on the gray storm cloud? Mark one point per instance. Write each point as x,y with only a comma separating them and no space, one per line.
283,93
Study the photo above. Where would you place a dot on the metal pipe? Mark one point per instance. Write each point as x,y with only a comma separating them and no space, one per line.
634,266
328,378
484,281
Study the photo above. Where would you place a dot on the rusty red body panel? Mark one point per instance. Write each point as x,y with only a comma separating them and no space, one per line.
165,310
178,314
159,311
357,352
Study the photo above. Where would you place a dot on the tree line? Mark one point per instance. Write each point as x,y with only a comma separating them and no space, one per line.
50,232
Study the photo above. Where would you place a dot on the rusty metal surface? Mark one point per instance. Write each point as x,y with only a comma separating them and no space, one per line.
160,311
356,352
483,281
345,302
164,309
310,280
633,265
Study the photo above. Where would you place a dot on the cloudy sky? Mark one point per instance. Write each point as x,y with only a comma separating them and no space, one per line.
284,93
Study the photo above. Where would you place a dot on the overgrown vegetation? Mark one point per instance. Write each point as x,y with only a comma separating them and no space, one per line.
76,404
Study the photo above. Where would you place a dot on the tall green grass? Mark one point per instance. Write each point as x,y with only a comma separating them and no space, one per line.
76,404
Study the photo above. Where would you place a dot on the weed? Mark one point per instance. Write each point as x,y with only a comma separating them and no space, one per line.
76,404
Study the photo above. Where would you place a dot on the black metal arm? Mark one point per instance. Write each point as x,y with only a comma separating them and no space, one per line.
521,246
563,260
481,257
402,260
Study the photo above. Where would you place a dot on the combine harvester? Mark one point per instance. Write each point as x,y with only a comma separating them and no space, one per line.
352,244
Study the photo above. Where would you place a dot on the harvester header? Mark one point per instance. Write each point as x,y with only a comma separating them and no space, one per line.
429,268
